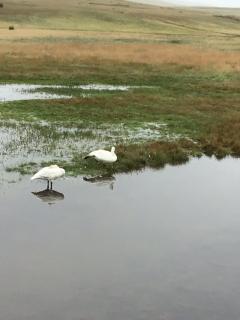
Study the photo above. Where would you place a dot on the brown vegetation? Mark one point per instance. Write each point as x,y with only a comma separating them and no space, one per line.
154,155
223,139
234,18
154,54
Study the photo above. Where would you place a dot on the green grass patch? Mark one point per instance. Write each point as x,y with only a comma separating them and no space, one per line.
180,115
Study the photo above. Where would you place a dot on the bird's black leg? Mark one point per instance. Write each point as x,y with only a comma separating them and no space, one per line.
48,185
51,185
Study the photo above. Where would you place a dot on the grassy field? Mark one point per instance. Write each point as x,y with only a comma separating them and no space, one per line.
186,63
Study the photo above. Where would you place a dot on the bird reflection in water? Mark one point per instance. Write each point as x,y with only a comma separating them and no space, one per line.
103,180
49,196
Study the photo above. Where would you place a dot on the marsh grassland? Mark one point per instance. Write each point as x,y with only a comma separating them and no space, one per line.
183,66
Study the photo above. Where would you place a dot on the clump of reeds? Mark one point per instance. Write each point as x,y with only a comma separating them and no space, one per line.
134,157
223,139
155,155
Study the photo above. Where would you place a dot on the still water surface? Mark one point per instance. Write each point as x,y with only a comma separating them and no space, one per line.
158,245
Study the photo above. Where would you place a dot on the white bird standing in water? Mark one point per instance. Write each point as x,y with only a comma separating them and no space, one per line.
103,155
50,173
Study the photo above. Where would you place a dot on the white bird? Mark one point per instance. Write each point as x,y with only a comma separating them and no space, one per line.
50,173
103,155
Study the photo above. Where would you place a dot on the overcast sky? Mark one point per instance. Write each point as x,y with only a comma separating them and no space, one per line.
212,3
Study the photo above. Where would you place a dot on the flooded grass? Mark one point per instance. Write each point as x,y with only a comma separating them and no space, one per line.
47,143
189,106
23,92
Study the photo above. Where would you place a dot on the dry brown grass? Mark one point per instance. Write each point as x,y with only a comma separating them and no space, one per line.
118,20
37,34
223,139
154,155
48,35
154,54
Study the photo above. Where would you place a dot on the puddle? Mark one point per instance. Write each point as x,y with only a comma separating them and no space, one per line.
105,87
157,245
15,92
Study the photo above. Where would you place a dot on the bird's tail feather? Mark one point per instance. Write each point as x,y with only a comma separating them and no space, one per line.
36,176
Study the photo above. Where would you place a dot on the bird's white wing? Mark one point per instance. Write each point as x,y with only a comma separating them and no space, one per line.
41,174
49,173
97,153
103,155
55,173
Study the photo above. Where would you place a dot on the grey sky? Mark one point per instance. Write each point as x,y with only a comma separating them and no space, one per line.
212,3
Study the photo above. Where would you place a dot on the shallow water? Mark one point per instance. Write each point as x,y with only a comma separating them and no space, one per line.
14,92
159,245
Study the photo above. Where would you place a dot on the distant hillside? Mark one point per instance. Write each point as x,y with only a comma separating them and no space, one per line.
166,3
119,20
154,2
191,3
